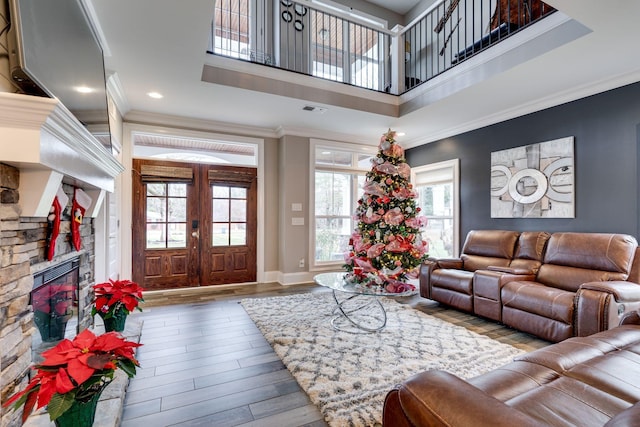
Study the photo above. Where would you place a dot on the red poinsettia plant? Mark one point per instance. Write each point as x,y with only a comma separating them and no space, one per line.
116,295
76,370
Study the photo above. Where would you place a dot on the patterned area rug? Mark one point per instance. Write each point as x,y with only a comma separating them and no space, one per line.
348,375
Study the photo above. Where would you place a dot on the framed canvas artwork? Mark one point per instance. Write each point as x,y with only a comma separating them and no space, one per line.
534,181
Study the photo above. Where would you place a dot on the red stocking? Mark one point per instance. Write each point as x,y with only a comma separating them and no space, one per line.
59,203
81,201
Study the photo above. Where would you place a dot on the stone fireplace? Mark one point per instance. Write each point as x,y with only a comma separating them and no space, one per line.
22,257
43,148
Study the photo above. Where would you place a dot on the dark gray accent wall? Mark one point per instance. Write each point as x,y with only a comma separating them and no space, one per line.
606,128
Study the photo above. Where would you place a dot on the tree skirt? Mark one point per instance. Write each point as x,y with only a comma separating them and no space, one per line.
348,375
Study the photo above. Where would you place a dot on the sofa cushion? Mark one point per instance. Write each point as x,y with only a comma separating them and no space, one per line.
535,298
594,251
568,402
611,374
514,379
570,278
491,243
530,250
531,245
565,355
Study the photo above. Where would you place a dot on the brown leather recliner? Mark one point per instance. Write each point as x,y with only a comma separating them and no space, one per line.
545,306
450,281
583,381
602,305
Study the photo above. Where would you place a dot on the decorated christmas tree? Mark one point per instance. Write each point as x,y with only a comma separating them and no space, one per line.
386,249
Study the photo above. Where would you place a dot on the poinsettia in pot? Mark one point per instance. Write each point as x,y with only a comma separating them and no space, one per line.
114,301
72,376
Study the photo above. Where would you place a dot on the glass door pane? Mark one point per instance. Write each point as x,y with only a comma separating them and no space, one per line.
229,216
166,215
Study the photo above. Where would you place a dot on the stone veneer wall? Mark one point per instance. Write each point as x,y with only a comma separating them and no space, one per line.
22,253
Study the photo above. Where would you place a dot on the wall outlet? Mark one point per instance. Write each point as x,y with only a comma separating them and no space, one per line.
301,263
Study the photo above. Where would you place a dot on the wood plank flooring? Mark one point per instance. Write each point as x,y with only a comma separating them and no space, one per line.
204,363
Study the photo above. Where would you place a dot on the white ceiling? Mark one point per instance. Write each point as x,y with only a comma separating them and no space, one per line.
159,45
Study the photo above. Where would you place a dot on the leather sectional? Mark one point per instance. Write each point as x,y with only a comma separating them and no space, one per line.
554,286
577,288
582,381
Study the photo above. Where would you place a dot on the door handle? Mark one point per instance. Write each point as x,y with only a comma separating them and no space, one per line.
195,234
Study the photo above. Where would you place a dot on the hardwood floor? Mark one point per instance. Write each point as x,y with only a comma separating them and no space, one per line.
204,363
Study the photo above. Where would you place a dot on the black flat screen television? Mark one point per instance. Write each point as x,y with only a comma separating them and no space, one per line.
54,52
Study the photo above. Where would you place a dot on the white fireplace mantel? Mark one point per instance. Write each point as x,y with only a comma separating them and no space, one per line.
49,145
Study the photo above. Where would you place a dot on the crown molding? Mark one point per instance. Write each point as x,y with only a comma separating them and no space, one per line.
116,91
567,96
323,134
165,120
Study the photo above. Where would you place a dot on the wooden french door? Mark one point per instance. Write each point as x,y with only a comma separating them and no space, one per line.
193,224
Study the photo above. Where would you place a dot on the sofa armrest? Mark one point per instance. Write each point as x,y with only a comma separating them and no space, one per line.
431,264
603,305
438,398
455,263
426,269
512,270
488,283
621,291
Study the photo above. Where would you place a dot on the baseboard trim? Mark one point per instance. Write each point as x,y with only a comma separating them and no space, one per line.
287,279
270,276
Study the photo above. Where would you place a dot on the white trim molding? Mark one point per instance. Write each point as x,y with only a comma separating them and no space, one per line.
41,136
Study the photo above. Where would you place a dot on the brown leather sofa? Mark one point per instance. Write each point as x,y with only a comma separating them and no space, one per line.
450,281
582,381
551,285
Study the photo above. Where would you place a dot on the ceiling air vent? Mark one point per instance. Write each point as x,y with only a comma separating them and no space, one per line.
314,109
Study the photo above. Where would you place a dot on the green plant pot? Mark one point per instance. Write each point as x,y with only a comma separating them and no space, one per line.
115,322
80,414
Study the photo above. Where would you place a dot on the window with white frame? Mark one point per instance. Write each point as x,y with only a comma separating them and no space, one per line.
338,175
437,186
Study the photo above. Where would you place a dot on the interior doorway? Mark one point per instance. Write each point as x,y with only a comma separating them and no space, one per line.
193,224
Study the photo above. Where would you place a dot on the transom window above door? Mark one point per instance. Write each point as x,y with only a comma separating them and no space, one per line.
194,149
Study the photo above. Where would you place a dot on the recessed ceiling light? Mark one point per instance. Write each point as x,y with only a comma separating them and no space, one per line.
400,134
83,89
155,95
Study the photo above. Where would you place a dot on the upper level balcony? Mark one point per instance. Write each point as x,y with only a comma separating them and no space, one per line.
333,43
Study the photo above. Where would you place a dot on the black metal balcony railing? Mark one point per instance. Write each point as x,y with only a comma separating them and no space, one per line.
301,39
313,41
454,30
